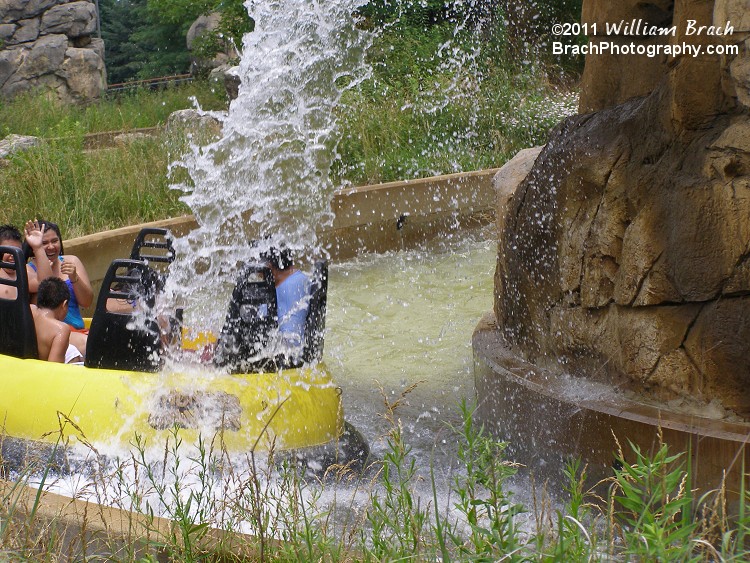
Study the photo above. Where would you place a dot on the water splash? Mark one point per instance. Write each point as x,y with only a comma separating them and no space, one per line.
268,177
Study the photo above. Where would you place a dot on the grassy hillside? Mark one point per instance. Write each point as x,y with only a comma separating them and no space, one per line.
418,115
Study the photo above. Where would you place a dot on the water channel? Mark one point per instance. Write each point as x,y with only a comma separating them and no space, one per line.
398,323
405,319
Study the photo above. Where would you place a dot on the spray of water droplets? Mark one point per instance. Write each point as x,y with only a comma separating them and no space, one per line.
268,177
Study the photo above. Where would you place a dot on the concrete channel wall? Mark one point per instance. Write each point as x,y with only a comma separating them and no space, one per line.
377,218
547,422
80,530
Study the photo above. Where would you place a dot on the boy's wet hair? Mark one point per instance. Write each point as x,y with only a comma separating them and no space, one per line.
52,293
9,232
280,258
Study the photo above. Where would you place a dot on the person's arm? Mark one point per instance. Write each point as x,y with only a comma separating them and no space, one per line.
59,345
34,233
76,272
119,306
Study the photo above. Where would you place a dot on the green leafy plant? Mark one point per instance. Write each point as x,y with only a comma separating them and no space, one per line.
396,516
654,494
483,498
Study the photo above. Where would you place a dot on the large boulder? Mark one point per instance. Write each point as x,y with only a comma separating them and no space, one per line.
612,78
13,10
48,45
74,19
13,144
84,74
195,124
9,60
6,32
26,31
203,26
42,56
97,46
227,78
508,178
625,253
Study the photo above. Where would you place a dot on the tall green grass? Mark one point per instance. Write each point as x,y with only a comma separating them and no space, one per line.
426,110
386,140
86,192
439,101
40,115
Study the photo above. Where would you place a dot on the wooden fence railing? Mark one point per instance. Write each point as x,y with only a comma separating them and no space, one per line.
151,83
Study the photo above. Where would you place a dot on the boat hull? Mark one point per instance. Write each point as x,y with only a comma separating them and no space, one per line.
286,410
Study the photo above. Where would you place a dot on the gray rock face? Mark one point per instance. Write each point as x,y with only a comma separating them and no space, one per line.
192,122
8,65
74,19
48,45
27,30
226,77
97,45
206,24
6,32
47,53
625,253
13,10
16,143
82,83
200,26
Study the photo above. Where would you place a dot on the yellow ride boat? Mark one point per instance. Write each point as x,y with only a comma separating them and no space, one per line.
124,391
288,409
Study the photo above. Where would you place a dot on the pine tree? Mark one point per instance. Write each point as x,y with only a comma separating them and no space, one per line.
138,45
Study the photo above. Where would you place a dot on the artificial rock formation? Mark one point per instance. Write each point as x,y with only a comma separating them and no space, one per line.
49,44
206,26
625,252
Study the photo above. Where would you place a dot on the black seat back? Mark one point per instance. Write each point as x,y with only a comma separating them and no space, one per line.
17,332
250,320
315,323
126,341
154,247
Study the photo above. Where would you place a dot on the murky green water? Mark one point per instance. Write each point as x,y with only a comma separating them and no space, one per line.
404,319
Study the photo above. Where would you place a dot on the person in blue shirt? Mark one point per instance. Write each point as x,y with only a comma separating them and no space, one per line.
71,270
292,297
248,340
